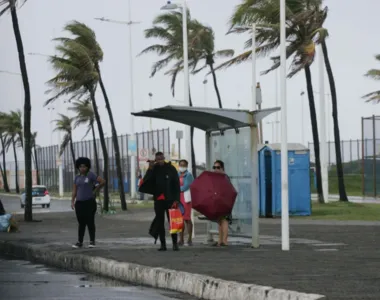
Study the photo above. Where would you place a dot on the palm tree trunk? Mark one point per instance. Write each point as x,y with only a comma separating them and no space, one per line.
104,149
115,141
314,127
95,149
334,102
193,162
2,173
5,177
216,85
72,150
28,215
16,166
36,165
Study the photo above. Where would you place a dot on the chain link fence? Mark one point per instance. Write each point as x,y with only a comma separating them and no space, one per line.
351,151
371,156
147,143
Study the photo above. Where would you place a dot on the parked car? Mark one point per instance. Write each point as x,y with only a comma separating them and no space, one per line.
40,196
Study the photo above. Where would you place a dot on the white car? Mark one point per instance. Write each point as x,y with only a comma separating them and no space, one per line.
40,196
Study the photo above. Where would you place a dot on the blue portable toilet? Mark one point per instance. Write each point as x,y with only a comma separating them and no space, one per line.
270,180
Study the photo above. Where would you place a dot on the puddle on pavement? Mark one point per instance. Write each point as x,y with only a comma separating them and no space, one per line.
88,281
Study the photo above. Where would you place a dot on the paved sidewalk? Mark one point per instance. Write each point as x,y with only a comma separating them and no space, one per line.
341,262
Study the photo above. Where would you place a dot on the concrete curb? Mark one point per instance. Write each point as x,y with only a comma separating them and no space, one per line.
200,286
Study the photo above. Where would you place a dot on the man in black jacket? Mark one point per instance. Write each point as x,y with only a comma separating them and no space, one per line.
162,181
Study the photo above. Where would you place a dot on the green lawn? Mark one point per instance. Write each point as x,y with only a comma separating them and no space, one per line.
345,211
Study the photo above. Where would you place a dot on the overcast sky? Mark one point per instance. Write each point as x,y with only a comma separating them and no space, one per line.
351,44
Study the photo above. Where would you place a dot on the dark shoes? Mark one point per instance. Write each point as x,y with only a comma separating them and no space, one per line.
77,245
163,247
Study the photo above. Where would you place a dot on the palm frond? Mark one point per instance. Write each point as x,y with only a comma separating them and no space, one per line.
65,142
243,57
224,53
374,74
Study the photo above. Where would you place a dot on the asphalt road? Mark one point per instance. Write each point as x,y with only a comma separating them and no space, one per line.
24,280
12,205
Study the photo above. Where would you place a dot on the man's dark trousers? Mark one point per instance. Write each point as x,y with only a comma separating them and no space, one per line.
161,207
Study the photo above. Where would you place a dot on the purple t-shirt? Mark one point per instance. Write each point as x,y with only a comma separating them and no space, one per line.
85,186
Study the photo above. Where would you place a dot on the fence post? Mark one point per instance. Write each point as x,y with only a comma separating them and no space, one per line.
363,147
351,151
374,154
168,134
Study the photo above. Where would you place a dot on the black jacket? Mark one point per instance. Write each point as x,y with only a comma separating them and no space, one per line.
163,179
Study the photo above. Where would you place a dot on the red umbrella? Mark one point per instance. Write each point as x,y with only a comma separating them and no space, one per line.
213,195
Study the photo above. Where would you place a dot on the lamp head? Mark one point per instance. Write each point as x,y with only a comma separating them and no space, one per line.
169,6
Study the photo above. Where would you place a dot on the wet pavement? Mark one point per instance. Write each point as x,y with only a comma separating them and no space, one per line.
24,280
339,259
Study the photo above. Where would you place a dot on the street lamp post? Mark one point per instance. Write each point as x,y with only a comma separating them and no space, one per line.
171,6
322,122
302,119
129,23
150,107
285,245
205,91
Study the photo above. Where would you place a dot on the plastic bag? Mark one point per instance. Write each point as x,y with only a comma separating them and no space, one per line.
176,221
5,223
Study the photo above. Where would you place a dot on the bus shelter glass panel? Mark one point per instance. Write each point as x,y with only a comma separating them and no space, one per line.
234,149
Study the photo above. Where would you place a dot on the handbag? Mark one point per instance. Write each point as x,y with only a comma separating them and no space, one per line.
187,196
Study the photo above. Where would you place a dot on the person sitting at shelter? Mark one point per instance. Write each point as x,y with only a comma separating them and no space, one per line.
224,221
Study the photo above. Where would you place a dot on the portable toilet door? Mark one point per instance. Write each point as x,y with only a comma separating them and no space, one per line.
266,182
299,182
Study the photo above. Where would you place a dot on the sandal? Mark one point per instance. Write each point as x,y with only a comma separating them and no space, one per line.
216,244
223,245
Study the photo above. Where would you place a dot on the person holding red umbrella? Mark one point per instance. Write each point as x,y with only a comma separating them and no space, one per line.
224,221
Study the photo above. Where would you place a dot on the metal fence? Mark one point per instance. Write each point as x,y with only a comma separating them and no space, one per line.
361,160
371,155
351,155
351,151
147,143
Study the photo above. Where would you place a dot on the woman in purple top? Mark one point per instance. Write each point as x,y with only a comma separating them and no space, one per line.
86,185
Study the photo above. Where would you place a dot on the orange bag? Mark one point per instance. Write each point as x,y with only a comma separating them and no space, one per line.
176,220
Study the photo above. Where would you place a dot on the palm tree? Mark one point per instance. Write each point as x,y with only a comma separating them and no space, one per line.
86,37
84,115
168,28
34,147
319,14
303,31
3,140
11,5
64,124
203,47
77,77
373,74
12,124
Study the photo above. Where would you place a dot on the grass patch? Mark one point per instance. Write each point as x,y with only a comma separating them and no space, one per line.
345,211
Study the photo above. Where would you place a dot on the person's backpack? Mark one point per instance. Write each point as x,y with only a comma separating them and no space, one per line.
2,210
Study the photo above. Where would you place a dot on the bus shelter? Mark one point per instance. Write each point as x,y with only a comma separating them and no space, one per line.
231,136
